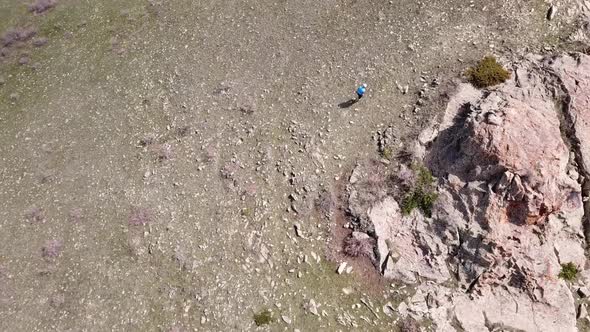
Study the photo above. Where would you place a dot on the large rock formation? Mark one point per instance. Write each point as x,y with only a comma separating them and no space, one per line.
510,203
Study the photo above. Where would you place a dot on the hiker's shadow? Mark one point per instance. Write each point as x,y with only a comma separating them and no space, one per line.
347,103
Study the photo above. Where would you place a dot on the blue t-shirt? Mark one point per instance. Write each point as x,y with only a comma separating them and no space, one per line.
361,90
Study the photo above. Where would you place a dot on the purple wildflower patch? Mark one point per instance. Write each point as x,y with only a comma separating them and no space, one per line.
41,6
24,60
140,217
75,215
40,42
52,249
35,215
163,152
15,35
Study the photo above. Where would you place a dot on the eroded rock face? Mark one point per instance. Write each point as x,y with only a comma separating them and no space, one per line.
511,140
575,75
509,210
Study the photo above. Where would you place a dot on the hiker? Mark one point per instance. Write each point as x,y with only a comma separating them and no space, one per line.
360,92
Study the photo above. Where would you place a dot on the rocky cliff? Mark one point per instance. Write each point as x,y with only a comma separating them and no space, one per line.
511,183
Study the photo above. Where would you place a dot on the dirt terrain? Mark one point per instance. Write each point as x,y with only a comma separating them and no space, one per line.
166,165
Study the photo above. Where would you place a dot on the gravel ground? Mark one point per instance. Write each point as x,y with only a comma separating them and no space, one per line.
158,157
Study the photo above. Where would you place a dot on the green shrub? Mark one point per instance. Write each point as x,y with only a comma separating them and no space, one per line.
247,212
387,153
422,196
263,318
425,178
419,199
569,271
487,72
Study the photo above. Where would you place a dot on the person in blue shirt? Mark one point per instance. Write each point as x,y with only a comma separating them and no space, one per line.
360,92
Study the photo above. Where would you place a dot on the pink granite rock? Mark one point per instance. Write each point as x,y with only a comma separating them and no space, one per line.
510,208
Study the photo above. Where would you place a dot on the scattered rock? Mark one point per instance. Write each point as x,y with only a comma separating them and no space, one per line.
551,12
312,307
402,309
298,231
341,268
388,309
493,119
286,319
347,291
583,292
387,141
582,311
409,325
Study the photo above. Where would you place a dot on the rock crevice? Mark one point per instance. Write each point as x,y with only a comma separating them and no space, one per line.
573,110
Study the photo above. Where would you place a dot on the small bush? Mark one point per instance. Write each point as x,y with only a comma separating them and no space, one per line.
387,153
247,212
355,246
568,272
487,72
418,199
263,318
425,178
422,195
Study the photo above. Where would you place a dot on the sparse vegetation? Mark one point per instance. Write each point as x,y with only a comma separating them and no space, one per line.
35,215
41,6
140,217
75,215
409,325
356,247
52,249
488,72
40,42
422,196
148,140
263,318
247,212
387,153
163,151
569,271
16,35
421,200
